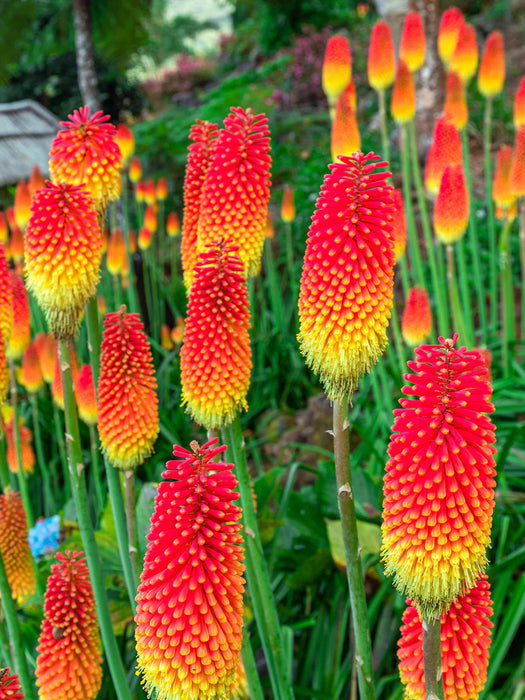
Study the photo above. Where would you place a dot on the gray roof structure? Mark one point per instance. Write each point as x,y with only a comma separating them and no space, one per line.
26,132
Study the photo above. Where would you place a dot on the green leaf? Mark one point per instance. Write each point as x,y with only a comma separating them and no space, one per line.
369,536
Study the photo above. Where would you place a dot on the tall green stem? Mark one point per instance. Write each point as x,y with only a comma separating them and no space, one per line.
250,668
382,120
457,315
466,304
5,480
49,499
398,341
405,280
13,389
14,635
257,574
95,470
78,487
413,243
432,658
487,138
131,520
354,573
522,264
506,296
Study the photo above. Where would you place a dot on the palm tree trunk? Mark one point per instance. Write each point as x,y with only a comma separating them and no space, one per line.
87,75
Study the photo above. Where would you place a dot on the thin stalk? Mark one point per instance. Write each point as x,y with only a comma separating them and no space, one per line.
49,499
117,296
398,340
413,243
432,658
5,481
6,658
257,573
290,262
13,390
439,287
276,297
94,339
59,435
384,131
78,487
475,248
405,279
133,303
131,520
487,138
466,302
99,489
15,638
506,297
354,573
457,315
522,263
250,668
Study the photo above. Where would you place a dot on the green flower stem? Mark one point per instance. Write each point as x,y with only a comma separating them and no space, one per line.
117,295
78,487
131,521
133,303
99,489
487,128
398,341
354,573
257,574
6,658
522,264
112,477
457,315
13,390
506,297
437,283
250,668
413,244
293,282
432,658
17,647
5,480
49,498
466,303
59,435
405,279
276,297
384,132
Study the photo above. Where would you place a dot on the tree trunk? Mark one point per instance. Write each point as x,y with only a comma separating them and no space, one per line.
87,75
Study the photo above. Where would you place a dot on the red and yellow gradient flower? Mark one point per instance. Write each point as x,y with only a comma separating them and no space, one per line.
69,661
288,205
22,207
27,455
345,137
381,66
45,346
135,170
190,599
464,59
200,152
20,334
337,68
36,181
128,415
4,231
347,278
465,641
126,142
451,208
145,238
173,224
14,547
31,376
399,224
491,73
439,485
416,323
6,297
502,193
403,102
10,686
519,105
150,194
85,395
4,373
239,688
450,26
16,241
116,254
86,153
63,251
455,109
150,219
413,45
215,358
517,170
161,190
444,150
236,189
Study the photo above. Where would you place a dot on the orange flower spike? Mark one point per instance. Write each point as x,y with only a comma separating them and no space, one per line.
455,109
399,224
345,138
519,105
381,57
128,415
27,455
36,181
145,238
86,153
69,661
451,208
517,170
173,224
56,386
439,485
63,251
4,373
501,190
337,68
20,334
445,150
347,278
16,239
491,74
239,688
10,686
416,323
135,170
403,102
132,239
149,192
190,600
269,228
126,142
14,547
166,341
215,358
288,205
31,376
465,642
236,190
22,208
6,297
413,43
45,347
150,219
161,191
451,23
85,395
177,333
116,255
464,60
4,231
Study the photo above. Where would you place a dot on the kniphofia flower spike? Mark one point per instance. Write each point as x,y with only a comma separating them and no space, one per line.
381,66
416,323
14,546
10,686
337,68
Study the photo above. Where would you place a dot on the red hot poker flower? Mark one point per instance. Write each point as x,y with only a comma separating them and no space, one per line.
14,547
128,417
126,142
236,190
465,642
20,334
451,22
416,323
403,103
455,109
491,74
69,662
6,297
501,190
116,255
337,67
464,59
22,207
413,45
517,170
519,105
451,208
31,376
444,150
203,135
288,205
36,181
399,224
216,356
85,395
27,456
346,283
345,131
189,602
439,485
381,65
10,686
86,153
